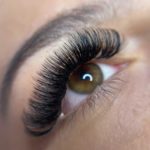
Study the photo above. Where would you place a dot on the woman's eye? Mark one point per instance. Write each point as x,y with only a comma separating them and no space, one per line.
63,83
83,81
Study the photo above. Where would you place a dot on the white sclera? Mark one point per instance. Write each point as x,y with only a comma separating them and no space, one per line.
73,99
107,70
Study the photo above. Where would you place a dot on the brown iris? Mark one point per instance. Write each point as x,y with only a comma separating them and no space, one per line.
85,78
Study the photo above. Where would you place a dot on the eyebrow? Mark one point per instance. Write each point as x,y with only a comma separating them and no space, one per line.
49,33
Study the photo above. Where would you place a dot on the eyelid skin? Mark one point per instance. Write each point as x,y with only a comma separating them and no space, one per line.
50,88
96,106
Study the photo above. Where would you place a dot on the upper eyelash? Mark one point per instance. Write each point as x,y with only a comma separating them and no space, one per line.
81,47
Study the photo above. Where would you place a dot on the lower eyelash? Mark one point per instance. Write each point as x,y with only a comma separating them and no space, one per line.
98,103
103,97
50,88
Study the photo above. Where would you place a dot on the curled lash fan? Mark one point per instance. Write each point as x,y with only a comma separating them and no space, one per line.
50,89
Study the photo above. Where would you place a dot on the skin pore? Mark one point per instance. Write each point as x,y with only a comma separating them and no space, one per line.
119,120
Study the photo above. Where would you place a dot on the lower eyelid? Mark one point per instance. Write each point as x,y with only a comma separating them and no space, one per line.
73,99
98,103
109,90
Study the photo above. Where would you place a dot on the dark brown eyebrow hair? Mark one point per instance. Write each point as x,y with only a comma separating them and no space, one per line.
47,34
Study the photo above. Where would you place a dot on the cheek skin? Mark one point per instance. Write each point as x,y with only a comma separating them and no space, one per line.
126,124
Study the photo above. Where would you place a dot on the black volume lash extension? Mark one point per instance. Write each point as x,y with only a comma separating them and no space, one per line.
81,47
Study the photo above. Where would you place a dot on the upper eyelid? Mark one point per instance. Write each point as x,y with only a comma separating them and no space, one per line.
88,36
55,29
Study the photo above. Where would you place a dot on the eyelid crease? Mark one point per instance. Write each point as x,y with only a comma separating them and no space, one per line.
50,88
